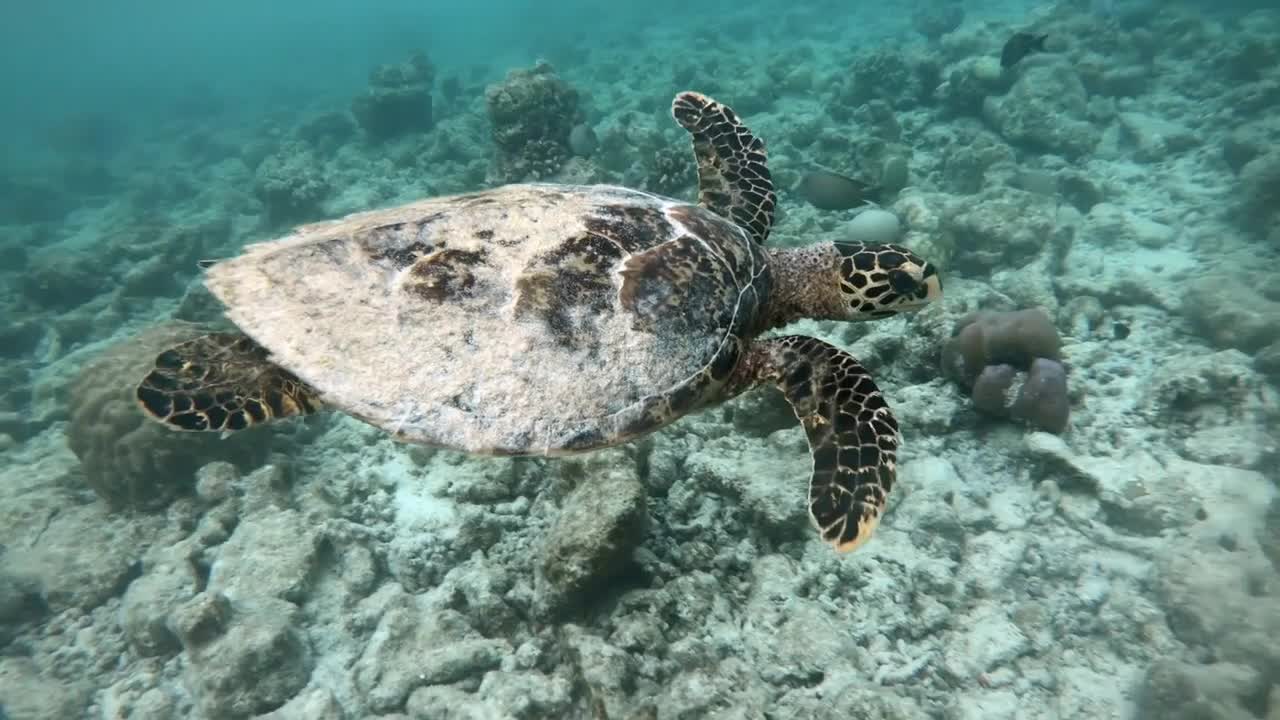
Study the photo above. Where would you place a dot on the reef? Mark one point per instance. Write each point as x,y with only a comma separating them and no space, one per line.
1085,521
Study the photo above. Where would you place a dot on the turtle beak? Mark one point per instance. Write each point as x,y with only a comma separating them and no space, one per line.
916,289
931,285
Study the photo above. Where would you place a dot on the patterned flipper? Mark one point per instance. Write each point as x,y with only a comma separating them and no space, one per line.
221,382
733,179
852,433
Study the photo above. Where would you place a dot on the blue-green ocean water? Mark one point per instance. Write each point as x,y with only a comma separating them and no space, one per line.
1124,179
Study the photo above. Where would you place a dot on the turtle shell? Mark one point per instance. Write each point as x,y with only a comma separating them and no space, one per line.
528,319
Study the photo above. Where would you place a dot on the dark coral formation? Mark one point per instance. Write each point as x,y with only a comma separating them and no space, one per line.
32,200
934,21
60,281
291,184
129,461
904,79
532,114
669,172
326,132
1260,190
1011,364
398,100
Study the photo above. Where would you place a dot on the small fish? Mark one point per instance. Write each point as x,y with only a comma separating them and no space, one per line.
1019,46
826,190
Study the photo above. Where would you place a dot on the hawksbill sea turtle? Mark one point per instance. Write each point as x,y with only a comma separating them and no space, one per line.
550,319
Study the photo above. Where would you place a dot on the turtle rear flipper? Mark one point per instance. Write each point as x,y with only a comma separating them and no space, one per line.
852,433
221,382
733,176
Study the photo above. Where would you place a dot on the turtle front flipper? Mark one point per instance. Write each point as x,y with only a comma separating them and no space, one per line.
221,382
853,436
733,177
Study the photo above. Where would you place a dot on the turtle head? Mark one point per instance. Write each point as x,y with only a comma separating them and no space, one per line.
877,281
848,281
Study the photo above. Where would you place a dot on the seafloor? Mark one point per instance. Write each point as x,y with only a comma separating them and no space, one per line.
1126,181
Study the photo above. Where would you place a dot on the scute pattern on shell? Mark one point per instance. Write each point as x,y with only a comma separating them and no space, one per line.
432,320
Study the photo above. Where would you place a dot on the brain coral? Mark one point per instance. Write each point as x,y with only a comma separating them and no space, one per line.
990,338
128,460
1009,361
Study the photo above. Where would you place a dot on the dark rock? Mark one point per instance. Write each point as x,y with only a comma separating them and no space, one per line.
601,521
1267,361
270,554
254,667
148,603
1080,190
1228,309
201,619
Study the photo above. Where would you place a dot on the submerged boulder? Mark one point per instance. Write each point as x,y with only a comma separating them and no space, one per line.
398,99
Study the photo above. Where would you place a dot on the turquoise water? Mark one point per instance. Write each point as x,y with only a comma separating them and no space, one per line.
1082,515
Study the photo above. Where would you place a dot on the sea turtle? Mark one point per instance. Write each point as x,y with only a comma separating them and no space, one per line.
548,319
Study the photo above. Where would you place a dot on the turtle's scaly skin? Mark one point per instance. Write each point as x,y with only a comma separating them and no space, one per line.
554,319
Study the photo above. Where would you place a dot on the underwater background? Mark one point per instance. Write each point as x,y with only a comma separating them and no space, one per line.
1086,520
